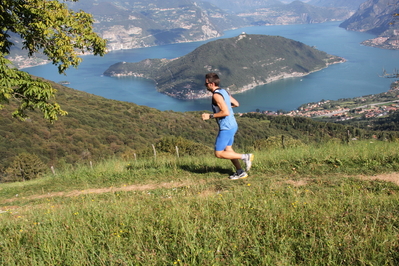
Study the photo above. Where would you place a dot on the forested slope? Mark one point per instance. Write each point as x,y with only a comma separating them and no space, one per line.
95,127
98,128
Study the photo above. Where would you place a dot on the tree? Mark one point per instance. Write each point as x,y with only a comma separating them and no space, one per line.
25,167
50,27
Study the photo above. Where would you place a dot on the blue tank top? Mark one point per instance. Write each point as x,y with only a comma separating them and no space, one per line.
227,122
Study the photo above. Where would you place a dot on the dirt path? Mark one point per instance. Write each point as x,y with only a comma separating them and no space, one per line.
75,193
391,177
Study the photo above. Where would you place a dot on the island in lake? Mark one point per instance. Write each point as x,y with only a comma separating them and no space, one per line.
243,62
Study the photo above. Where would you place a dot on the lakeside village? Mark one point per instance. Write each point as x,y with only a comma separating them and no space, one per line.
370,106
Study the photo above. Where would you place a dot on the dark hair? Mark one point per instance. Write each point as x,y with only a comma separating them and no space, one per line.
213,78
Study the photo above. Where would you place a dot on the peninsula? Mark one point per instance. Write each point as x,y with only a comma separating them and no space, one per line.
244,62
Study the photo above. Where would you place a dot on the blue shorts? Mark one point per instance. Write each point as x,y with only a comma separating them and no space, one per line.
225,138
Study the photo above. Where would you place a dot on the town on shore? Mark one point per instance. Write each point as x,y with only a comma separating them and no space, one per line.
364,107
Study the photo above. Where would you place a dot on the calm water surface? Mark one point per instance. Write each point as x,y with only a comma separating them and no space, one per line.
359,76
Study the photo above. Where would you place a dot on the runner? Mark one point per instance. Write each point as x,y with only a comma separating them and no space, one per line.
222,105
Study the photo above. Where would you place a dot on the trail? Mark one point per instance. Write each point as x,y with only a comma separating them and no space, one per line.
390,177
75,193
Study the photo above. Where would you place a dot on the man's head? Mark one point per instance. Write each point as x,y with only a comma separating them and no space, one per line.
212,78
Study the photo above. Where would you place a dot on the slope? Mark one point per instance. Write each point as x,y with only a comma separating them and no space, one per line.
98,128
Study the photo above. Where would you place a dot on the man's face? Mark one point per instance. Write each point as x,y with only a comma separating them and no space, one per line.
208,85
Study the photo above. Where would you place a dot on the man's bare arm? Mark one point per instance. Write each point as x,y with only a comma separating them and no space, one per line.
234,102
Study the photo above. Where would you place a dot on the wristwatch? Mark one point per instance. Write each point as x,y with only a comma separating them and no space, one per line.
211,116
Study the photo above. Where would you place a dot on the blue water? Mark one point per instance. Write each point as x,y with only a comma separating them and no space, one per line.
359,76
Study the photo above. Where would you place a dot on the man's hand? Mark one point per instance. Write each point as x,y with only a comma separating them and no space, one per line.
206,116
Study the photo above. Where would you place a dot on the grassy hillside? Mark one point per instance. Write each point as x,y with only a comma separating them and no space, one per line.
95,128
98,128
310,205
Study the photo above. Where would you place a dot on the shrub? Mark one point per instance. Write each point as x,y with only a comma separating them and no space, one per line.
24,167
276,142
185,147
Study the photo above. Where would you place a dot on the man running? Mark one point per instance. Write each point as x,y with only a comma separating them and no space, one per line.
222,103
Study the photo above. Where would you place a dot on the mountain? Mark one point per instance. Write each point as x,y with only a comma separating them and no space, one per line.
274,12
299,12
352,5
132,24
373,16
244,62
135,24
377,17
241,6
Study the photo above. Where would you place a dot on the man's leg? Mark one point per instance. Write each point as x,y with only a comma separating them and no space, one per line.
235,162
223,145
239,173
224,150
229,153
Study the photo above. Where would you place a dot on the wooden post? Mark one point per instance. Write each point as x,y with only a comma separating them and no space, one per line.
22,173
282,141
177,152
52,170
91,165
135,157
155,152
347,137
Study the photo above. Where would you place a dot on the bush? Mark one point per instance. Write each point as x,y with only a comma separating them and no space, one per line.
185,147
24,167
276,142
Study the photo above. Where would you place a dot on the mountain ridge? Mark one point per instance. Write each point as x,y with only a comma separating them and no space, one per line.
138,24
376,17
351,5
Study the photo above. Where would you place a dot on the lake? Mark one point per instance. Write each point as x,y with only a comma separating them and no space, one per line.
359,76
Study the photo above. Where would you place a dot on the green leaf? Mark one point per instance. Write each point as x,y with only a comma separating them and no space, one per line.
50,26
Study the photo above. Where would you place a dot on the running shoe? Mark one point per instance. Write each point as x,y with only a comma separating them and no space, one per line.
248,161
238,176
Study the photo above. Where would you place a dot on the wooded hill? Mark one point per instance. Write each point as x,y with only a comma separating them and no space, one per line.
97,128
244,62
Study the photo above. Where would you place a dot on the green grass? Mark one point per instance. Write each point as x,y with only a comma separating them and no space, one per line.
300,206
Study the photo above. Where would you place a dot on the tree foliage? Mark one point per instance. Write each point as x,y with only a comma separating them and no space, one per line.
46,26
185,147
25,167
273,142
